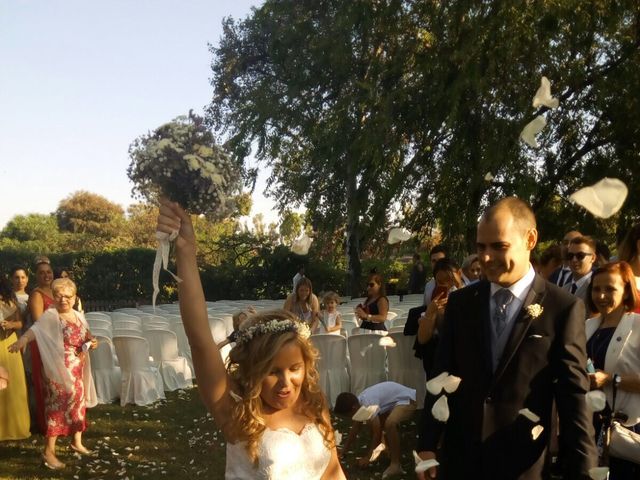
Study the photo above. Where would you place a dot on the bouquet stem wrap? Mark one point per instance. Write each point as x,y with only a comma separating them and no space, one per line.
162,260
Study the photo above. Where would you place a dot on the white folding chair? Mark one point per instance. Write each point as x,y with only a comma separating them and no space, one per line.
97,315
333,365
404,367
175,370
348,326
141,381
367,361
106,375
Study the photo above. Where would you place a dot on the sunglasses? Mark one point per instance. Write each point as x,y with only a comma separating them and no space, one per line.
578,256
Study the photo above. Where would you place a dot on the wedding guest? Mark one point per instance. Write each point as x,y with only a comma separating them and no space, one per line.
447,275
471,270
64,273
303,303
418,275
298,276
629,251
550,260
373,312
581,255
603,254
396,404
516,342
63,339
613,342
267,401
563,274
237,320
14,409
40,300
19,282
330,320
436,253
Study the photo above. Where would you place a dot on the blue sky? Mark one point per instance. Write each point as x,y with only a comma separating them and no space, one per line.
80,80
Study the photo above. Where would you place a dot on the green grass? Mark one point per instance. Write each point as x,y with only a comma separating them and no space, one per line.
174,439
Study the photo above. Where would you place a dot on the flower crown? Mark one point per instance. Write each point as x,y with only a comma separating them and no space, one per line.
272,326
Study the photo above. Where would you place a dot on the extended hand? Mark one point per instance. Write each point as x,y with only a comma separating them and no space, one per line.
173,218
599,379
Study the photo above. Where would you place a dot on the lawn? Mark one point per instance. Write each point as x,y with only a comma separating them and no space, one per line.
172,439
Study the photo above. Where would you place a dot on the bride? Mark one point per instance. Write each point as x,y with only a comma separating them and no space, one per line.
266,400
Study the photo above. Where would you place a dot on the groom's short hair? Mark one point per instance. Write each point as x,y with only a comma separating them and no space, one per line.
522,214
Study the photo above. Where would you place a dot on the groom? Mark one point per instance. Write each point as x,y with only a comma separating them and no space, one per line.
516,342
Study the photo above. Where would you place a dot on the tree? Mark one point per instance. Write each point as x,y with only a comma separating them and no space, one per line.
291,224
368,110
141,225
33,232
320,87
89,213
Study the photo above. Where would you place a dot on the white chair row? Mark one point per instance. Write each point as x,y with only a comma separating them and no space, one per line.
358,362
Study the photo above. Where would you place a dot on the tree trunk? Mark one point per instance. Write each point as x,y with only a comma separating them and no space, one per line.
354,266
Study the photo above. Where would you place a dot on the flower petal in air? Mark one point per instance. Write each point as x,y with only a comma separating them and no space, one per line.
596,400
440,409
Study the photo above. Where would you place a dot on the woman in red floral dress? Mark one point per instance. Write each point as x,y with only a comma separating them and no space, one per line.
63,339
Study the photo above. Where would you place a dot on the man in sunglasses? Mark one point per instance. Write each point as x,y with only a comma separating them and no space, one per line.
581,254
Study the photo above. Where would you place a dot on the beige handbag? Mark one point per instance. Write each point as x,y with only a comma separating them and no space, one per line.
624,443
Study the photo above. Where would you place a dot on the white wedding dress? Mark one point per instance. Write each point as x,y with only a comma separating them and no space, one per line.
282,455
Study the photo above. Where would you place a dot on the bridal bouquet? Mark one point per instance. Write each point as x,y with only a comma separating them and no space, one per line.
181,161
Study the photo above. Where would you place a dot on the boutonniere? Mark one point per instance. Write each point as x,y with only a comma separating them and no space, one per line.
535,310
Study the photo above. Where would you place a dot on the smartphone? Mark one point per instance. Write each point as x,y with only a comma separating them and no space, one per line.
440,290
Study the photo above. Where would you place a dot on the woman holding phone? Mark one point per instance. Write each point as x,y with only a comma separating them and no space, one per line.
373,312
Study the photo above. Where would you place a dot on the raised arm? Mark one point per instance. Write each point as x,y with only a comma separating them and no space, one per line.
210,371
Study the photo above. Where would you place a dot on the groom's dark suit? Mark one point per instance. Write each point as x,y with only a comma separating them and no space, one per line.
485,437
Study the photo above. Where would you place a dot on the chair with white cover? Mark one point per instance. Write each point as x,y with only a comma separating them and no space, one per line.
100,332
404,367
99,323
117,317
106,375
175,370
184,349
333,365
141,381
126,325
368,360
348,326
97,315
218,329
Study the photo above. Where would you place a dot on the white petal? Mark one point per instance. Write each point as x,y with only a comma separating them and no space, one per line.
440,410
364,351
397,235
596,400
435,385
425,465
531,129
365,413
376,452
338,437
599,473
543,95
451,383
536,431
529,414
602,199
488,177
387,342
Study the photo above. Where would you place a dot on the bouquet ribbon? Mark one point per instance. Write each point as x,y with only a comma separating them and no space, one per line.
162,260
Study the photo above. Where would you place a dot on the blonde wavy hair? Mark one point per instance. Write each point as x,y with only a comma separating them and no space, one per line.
249,364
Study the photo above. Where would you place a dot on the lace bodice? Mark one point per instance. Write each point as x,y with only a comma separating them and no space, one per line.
283,455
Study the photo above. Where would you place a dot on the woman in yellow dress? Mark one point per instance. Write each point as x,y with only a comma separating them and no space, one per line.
14,409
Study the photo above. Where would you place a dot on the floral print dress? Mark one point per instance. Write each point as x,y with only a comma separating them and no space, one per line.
66,409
